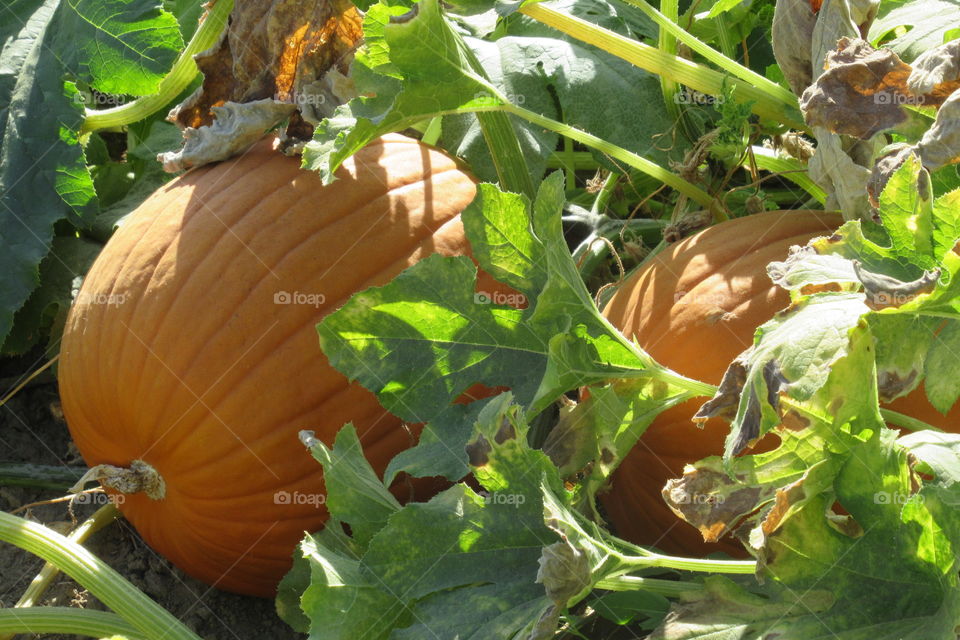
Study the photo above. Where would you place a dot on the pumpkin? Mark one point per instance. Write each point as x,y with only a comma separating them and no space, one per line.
694,308
192,344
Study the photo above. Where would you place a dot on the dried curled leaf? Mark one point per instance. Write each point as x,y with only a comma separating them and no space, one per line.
276,61
725,401
273,50
884,292
237,126
884,167
840,167
861,93
709,499
564,571
937,72
940,145
792,35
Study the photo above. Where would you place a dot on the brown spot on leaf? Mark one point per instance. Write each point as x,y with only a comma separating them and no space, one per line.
505,432
478,451
891,385
883,292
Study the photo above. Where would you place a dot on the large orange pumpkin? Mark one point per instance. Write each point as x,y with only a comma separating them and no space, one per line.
192,345
694,307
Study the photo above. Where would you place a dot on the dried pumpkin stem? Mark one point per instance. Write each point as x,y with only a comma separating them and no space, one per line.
139,477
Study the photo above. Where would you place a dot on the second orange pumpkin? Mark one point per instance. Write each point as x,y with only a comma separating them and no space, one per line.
694,308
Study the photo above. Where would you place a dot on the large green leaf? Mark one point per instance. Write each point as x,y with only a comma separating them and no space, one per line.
43,176
118,46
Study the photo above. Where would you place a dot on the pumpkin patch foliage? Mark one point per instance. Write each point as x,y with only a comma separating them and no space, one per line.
494,319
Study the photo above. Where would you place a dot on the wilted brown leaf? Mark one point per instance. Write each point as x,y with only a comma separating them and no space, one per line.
274,50
792,35
936,73
861,93
940,145
884,167
710,500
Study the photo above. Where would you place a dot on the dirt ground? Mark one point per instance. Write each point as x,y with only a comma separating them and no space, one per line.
30,431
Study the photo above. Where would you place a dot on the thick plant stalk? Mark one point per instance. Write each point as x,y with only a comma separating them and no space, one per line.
96,576
765,103
66,620
39,585
41,476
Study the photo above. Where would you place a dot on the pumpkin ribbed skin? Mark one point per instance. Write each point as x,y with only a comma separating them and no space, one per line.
181,352
694,308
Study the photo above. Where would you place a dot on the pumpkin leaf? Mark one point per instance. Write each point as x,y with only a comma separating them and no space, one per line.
49,49
422,340
793,354
597,433
543,72
884,565
939,453
918,25
46,308
428,559
43,174
942,384
118,46
354,492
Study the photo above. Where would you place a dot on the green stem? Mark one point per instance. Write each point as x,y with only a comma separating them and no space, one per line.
667,43
727,46
770,89
96,576
38,586
68,621
905,421
791,169
433,130
765,102
652,169
692,564
501,138
41,476
669,588
174,83
605,193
